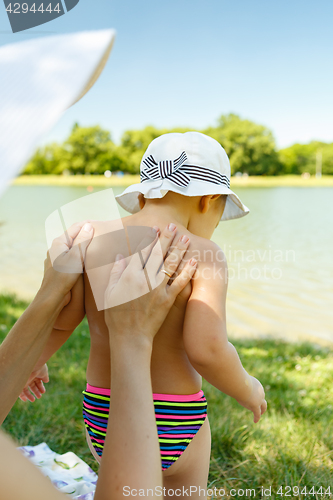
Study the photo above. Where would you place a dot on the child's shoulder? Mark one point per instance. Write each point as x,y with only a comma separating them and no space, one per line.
206,251
212,270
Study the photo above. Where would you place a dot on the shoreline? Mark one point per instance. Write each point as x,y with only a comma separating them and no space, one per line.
234,334
127,180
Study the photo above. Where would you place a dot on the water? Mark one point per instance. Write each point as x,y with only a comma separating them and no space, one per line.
279,256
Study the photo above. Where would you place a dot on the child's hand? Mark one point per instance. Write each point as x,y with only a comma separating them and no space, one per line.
35,384
257,402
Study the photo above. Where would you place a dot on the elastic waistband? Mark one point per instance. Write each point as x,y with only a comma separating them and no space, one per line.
158,397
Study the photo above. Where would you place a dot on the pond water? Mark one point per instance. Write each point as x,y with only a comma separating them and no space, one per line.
279,256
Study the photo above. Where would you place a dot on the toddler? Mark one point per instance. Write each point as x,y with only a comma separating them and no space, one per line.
185,179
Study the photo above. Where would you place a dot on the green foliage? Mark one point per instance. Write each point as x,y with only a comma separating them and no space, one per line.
291,445
88,150
250,147
300,158
47,160
135,143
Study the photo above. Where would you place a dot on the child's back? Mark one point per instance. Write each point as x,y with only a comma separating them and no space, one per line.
172,371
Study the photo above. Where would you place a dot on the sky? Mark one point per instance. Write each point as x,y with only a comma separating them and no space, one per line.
185,63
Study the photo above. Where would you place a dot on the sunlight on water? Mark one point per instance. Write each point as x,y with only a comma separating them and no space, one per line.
279,256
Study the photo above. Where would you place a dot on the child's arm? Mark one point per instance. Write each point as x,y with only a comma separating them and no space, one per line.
205,336
69,318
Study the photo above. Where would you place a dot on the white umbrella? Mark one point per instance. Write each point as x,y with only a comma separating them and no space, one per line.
39,80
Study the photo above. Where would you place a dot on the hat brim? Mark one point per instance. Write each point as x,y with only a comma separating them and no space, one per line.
234,208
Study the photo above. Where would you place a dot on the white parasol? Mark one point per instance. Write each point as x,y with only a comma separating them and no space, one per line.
39,80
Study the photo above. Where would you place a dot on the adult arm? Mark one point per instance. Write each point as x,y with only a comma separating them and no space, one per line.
25,342
69,318
131,456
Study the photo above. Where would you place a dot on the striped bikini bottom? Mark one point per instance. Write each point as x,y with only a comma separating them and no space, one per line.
178,419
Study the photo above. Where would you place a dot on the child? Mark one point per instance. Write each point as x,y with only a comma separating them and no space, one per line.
184,179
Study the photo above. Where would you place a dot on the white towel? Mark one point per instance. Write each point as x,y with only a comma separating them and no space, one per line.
67,472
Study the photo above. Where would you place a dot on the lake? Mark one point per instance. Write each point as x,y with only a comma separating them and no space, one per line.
279,256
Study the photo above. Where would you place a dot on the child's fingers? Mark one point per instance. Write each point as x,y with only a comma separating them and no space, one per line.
263,407
30,397
27,394
34,389
257,414
41,386
183,278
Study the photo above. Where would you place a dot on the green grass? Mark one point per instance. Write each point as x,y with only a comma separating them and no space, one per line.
127,180
292,444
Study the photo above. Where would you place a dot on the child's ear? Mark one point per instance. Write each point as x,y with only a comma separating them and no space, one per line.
206,201
142,201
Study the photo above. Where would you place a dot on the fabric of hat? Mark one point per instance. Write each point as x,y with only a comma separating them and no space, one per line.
191,164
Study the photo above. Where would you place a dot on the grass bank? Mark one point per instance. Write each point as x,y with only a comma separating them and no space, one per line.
127,180
291,446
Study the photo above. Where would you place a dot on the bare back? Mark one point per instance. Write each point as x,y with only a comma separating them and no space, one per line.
172,373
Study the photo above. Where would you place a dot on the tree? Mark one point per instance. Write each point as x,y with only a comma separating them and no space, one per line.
328,159
91,150
46,160
250,147
87,150
135,143
300,158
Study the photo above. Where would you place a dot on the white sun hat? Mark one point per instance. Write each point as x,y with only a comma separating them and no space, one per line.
191,164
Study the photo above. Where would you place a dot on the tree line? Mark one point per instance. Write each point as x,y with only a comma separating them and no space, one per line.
250,147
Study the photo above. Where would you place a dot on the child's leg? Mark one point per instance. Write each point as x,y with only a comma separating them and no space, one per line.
191,469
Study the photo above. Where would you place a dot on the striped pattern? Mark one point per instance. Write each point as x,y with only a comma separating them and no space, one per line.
178,419
177,424
178,173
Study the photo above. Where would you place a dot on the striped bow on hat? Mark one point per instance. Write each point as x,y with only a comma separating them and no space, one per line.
166,169
178,173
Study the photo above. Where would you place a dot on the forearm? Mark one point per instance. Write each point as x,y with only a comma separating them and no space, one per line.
69,318
23,346
20,479
131,453
56,339
224,370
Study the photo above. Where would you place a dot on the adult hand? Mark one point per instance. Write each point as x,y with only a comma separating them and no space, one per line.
146,313
65,259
